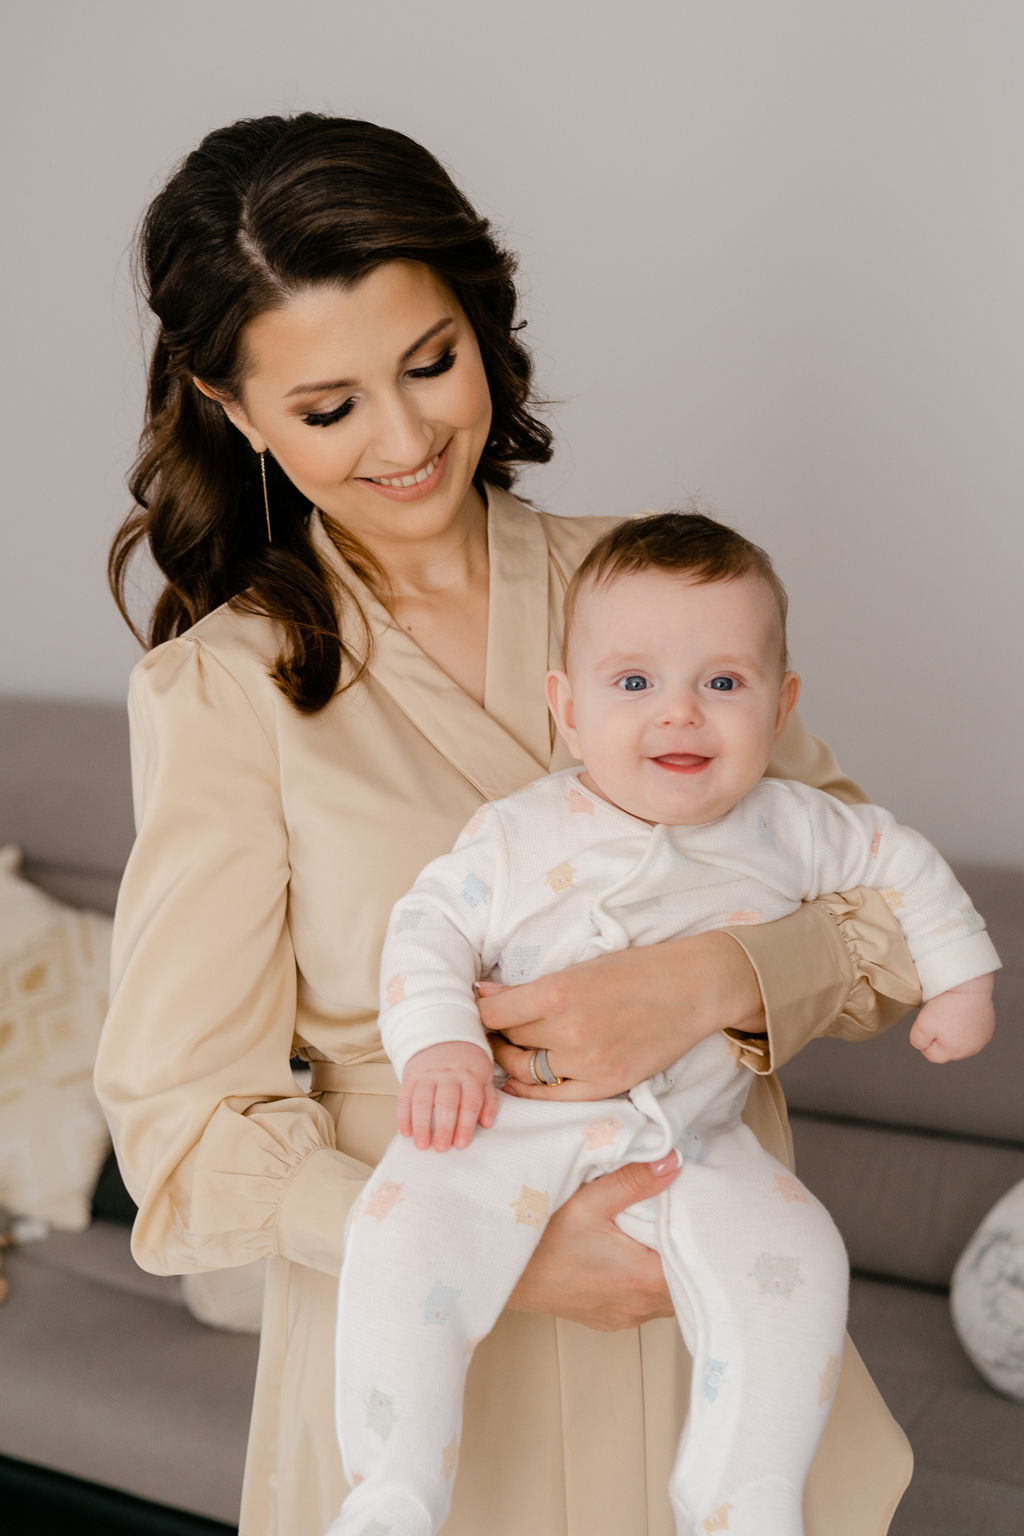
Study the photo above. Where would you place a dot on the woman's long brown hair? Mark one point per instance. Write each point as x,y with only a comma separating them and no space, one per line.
258,211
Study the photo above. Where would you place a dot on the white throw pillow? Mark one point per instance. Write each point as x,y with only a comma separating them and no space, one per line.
987,1295
54,965
227,1298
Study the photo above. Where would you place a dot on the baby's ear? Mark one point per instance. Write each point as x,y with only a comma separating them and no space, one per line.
561,706
789,693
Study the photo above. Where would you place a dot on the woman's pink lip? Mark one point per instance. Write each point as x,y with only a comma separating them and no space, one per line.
682,762
412,492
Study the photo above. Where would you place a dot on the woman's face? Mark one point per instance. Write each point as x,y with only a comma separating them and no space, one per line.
356,390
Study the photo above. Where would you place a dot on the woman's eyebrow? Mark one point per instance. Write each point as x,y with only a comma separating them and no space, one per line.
314,389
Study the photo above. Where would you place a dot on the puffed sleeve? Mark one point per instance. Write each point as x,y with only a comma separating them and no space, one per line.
227,1159
838,966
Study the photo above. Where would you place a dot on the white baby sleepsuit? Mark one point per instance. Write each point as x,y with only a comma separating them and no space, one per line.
543,879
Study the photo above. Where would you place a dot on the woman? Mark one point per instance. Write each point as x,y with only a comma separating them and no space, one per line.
331,695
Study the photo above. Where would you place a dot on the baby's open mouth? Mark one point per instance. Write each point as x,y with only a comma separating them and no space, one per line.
682,762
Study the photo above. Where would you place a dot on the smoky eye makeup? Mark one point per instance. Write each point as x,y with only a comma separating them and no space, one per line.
433,370
327,418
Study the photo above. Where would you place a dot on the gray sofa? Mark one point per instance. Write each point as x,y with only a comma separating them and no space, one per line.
109,1381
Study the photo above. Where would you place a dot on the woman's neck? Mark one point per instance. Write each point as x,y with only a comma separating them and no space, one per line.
452,562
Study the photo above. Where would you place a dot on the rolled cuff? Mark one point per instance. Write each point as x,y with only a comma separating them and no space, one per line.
972,956
837,966
313,1210
434,1024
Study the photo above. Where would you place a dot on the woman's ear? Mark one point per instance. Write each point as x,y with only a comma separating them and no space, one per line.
561,706
789,692
235,412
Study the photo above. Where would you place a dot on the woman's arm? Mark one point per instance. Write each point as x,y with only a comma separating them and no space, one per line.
227,1159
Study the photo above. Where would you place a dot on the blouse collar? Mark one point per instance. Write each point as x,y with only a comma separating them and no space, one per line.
508,742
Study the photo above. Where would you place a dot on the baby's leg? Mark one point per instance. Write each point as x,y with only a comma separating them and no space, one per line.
759,1278
434,1247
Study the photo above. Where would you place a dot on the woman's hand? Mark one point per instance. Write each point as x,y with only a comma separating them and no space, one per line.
609,1023
586,1270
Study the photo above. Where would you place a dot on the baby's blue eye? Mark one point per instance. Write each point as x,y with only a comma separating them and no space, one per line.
634,683
722,684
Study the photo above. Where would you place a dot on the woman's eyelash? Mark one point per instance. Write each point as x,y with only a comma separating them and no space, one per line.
434,370
328,418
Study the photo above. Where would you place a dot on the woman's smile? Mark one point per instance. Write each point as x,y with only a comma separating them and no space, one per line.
414,485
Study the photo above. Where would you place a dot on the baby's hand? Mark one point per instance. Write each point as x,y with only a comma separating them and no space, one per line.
957,1023
446,1091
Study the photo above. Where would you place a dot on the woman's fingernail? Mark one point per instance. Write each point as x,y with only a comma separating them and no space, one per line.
667,1165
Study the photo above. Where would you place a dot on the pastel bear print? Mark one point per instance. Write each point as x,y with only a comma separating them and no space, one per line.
409,919
439,1305
893,899
876,843
395,990
532,1207
829,1380
719,1521
560,878
475,892
714,1376
765,834
520,963
692,1148
450,1458
579,805
746,918
375,1528
790,1189
385,1197
380,1413
777,1274
602,1133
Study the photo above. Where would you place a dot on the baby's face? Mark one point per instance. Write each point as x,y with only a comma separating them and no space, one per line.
674,694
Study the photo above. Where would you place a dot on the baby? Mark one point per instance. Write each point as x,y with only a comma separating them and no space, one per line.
674,691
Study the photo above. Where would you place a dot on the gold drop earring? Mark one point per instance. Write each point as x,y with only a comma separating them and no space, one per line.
266,499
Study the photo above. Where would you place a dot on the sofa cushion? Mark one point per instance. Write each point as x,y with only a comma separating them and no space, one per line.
54,964
118,1387
101,1254
65,795
969,1473
906,1203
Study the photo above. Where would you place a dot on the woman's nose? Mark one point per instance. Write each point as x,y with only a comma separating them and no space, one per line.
401,440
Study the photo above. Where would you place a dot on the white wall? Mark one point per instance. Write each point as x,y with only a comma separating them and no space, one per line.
773,254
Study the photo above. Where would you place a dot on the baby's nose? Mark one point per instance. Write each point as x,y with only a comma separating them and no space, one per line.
681,708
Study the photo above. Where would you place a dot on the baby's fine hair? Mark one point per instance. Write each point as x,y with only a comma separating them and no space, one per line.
682,542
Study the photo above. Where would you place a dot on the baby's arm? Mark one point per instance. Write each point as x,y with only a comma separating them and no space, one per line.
864,845
435,951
